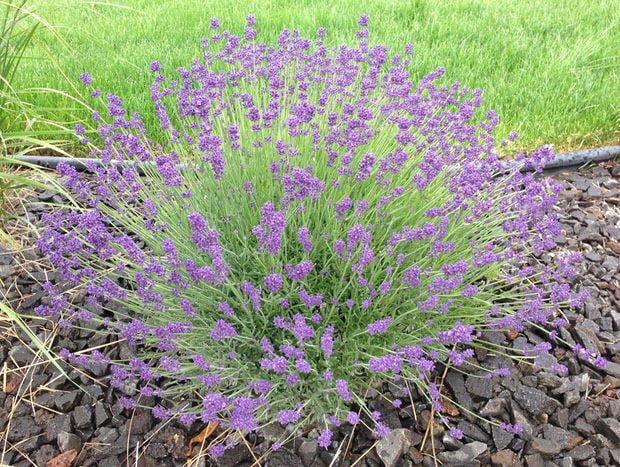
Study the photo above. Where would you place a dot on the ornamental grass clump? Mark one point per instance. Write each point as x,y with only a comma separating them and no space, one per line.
315,224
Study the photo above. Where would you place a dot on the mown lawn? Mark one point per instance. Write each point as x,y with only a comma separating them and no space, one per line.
551,69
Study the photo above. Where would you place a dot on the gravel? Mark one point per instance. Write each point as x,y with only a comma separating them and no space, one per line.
570,420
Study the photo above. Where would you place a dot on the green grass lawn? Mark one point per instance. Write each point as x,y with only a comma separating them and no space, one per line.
550,69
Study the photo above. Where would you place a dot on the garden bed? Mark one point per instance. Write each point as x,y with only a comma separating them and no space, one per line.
567,420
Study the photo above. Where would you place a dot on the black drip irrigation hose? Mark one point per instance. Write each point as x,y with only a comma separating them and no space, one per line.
562,160
574,158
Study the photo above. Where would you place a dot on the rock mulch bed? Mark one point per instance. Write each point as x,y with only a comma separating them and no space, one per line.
573,420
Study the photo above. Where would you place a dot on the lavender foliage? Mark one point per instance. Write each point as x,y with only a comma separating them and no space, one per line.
317,222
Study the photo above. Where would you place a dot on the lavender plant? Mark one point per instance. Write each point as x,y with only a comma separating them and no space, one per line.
316,223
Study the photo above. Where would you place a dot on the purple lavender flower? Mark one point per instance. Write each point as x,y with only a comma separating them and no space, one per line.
310,300
261,386
304,239
222,330
510,428
469,290
285,417
127,403
379,326
187,418
187,308
216,450
299,185
325,438
301,330
115,106
270,230
290,351
366,257
342,388
558,369
171,253
365,166
242,415
381,430
343,206
161,413
169,364
459,334
360,208
356,234
213,404
299,271
384,288
266,346
86,79
303,366
411,277
252,292
339,247
327,341
273,282
225,308
385,364
353,418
